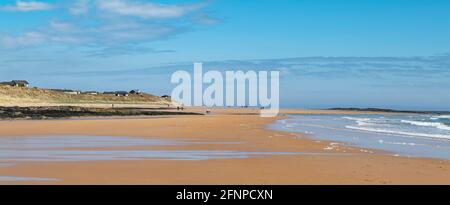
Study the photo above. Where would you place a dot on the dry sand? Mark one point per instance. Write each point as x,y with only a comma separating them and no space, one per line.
343,165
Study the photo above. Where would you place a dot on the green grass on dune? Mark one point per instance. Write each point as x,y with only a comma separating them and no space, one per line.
18,95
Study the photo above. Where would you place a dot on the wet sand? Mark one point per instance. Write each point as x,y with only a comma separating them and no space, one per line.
228,130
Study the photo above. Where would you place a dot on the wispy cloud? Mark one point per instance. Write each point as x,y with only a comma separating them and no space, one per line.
105,35
26,39
80,7
123,50
147,9
203,18
107,24
26,6
358,67
324,68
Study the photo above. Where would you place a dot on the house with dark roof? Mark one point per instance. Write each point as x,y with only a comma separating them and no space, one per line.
117,93
121,93
67,91
135,92
16,83
20,83
109,93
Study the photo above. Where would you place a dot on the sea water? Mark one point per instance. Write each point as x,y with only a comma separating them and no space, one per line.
402,134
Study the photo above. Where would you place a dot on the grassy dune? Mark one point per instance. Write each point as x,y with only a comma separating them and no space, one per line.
20,96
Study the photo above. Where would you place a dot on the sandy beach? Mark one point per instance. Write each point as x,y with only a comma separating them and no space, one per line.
297,159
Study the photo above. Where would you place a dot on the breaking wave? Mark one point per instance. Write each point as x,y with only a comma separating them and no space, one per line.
415,134
438,125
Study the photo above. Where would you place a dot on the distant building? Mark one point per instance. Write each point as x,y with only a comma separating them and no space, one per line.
91,93
109,93
135,92
16,83
72,92
121,93
117,93
20,83
165,97
66,91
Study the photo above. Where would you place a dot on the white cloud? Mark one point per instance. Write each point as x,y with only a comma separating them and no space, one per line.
132,32
24,6
105,24
108,34
203,18
80,7
146,9
62,26
27,39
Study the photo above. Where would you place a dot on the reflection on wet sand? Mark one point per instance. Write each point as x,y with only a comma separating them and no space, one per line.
25,179
42,149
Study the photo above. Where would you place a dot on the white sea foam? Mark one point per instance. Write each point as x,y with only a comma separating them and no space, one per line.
361,121
428,124
400,132
440,117
358,119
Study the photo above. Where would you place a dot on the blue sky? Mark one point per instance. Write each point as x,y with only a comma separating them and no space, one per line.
378,53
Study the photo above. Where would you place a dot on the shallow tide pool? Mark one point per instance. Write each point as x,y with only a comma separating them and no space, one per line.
43,149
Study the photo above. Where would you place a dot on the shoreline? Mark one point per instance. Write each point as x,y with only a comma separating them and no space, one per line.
355,167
